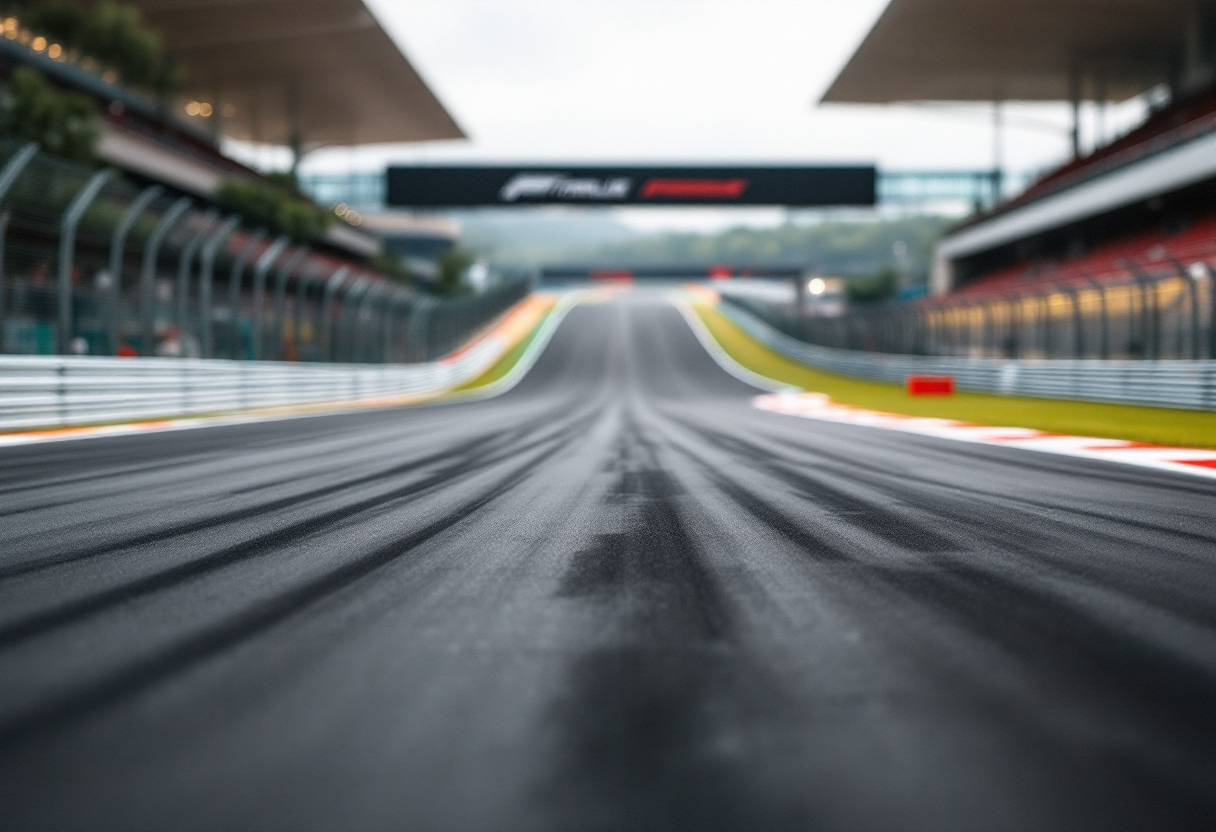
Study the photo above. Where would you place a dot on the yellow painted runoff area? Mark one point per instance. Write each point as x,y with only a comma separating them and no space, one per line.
1160,426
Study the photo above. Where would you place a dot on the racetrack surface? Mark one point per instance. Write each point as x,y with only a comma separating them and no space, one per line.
617,597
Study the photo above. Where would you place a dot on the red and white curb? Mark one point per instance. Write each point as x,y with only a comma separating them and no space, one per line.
1193,461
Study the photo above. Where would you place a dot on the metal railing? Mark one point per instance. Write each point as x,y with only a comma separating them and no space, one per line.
90,264
1184,384
44,392
1167,314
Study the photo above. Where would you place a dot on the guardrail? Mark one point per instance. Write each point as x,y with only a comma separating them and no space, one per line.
1189,385
38,392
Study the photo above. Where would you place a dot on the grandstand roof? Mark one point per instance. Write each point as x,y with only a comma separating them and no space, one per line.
325,67
1018,50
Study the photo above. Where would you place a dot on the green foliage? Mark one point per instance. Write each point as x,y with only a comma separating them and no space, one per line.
274,203
64,123
453,265
111,33
878,286
392,267
831,246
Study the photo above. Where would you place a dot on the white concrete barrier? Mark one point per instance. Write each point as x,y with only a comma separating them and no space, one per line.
54,391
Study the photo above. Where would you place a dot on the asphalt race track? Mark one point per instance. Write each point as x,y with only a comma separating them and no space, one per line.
617,597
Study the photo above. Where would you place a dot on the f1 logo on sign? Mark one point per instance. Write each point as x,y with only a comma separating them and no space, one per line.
474,185
559,187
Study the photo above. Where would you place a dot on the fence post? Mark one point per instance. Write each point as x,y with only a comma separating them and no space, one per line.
118,244
335,281
280,298
147,276
418,328
349,317
1141,281
259,289
234,288
297,325
183,275
12,169
1045,308
1191,281
1212,317
1103,346
206,278
67,250
365,315
390,308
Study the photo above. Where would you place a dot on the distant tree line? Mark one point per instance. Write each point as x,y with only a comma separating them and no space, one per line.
837,247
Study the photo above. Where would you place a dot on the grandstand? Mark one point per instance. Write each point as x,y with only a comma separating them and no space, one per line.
139,257
1111,252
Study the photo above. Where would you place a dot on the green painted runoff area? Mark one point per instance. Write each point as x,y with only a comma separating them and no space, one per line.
508,360
1159,426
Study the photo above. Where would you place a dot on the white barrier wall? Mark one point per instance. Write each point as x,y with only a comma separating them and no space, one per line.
38,391
1189,385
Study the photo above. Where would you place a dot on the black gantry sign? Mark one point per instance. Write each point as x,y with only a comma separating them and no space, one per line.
452,187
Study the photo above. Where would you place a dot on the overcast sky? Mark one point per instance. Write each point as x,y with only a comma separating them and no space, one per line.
674,81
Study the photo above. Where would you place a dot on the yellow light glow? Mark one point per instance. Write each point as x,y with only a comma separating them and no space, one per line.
818,286
193,108
39,44
228,110
10,27
347,213
205,110
55,50
110,76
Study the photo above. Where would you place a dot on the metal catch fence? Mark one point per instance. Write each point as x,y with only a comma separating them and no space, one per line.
1184,384
91,264
1166,314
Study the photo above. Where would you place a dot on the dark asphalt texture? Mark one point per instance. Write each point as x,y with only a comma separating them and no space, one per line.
617,597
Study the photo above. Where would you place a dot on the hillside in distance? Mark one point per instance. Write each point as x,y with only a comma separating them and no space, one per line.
846,247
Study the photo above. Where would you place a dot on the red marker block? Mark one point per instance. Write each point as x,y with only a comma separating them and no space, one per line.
930,385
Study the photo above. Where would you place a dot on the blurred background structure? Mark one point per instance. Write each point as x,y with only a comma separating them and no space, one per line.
125,228
1108,255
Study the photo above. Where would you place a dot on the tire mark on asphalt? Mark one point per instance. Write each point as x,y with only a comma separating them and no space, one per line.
642,726
878,520
260,546
56,712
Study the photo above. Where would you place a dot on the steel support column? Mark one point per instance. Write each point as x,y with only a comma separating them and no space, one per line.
260,270
118,245
335,281
1103,340
207,277
280,299
147,275
297,325
182,291
234,288
12,170
350,317
68,224
366,314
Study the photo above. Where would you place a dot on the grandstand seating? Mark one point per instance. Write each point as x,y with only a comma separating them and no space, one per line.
1172,125
1152,252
